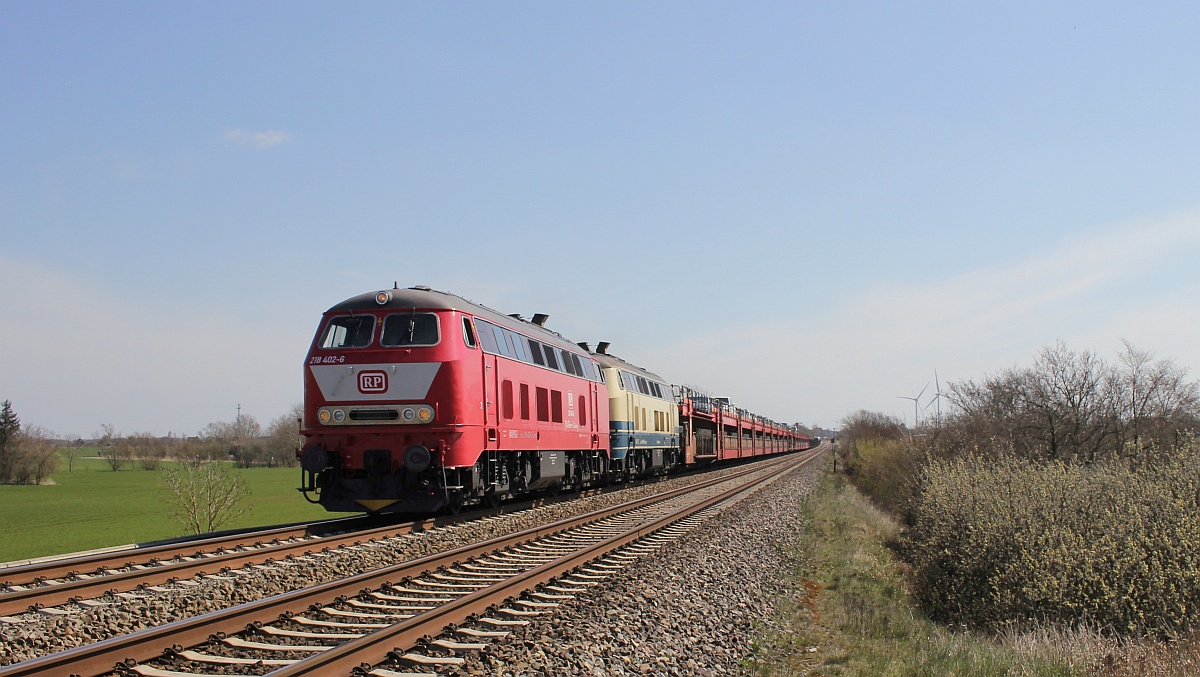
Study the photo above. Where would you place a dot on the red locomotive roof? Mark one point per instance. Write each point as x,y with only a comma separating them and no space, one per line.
424,298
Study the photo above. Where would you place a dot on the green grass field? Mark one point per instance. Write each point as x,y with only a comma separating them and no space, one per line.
94,507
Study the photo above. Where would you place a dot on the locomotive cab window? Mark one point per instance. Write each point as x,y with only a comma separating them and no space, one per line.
410,329
468,333
348,331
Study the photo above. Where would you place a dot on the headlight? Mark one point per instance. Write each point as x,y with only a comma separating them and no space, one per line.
324,415
339,415
425,414
408,413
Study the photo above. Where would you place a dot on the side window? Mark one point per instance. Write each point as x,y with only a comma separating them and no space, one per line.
506,399
551,360
582,410
556,406
514,345
578,366
535,349
501,343
468,332
543,404
525,401
487,339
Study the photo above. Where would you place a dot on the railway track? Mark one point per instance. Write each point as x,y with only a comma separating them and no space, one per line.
47,584
335,627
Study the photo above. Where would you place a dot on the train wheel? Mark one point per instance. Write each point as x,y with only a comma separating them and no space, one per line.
455,504
491,499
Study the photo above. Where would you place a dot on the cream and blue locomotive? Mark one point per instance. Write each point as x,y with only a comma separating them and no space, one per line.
643,419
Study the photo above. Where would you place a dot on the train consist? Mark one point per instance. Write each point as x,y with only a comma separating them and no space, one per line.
417,400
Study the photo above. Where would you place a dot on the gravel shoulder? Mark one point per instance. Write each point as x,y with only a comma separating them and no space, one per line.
692,609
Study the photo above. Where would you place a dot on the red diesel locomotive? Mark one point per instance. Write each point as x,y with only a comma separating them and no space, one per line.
417,400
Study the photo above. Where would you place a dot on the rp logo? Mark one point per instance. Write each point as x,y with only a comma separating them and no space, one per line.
370,382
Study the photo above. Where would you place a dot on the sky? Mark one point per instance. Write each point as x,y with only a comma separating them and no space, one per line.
810,208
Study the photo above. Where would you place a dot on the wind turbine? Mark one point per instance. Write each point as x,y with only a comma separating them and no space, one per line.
916,404
937,398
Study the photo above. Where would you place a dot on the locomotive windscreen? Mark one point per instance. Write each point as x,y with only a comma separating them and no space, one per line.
348,331
409,329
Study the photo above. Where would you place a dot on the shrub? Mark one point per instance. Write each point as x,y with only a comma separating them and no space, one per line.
208,494
1009,542
887,471
31,456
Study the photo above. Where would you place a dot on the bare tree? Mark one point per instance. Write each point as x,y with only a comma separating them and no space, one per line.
283,439
70,451
236,439
208,493
37,455
148,450
1073,401
106,435
1157,402
114,449
1075,406
118,454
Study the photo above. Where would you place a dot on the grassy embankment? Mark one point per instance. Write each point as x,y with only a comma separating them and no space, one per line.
94,507
848,611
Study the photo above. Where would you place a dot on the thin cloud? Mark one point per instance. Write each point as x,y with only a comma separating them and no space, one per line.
262,140
888,341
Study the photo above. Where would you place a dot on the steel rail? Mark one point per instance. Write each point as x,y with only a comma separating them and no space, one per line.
165,563
375,647
101,657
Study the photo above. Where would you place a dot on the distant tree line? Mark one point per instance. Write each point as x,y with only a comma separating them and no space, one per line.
31,454
241,441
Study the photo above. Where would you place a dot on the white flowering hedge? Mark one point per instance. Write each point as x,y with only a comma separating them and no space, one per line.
1003,542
